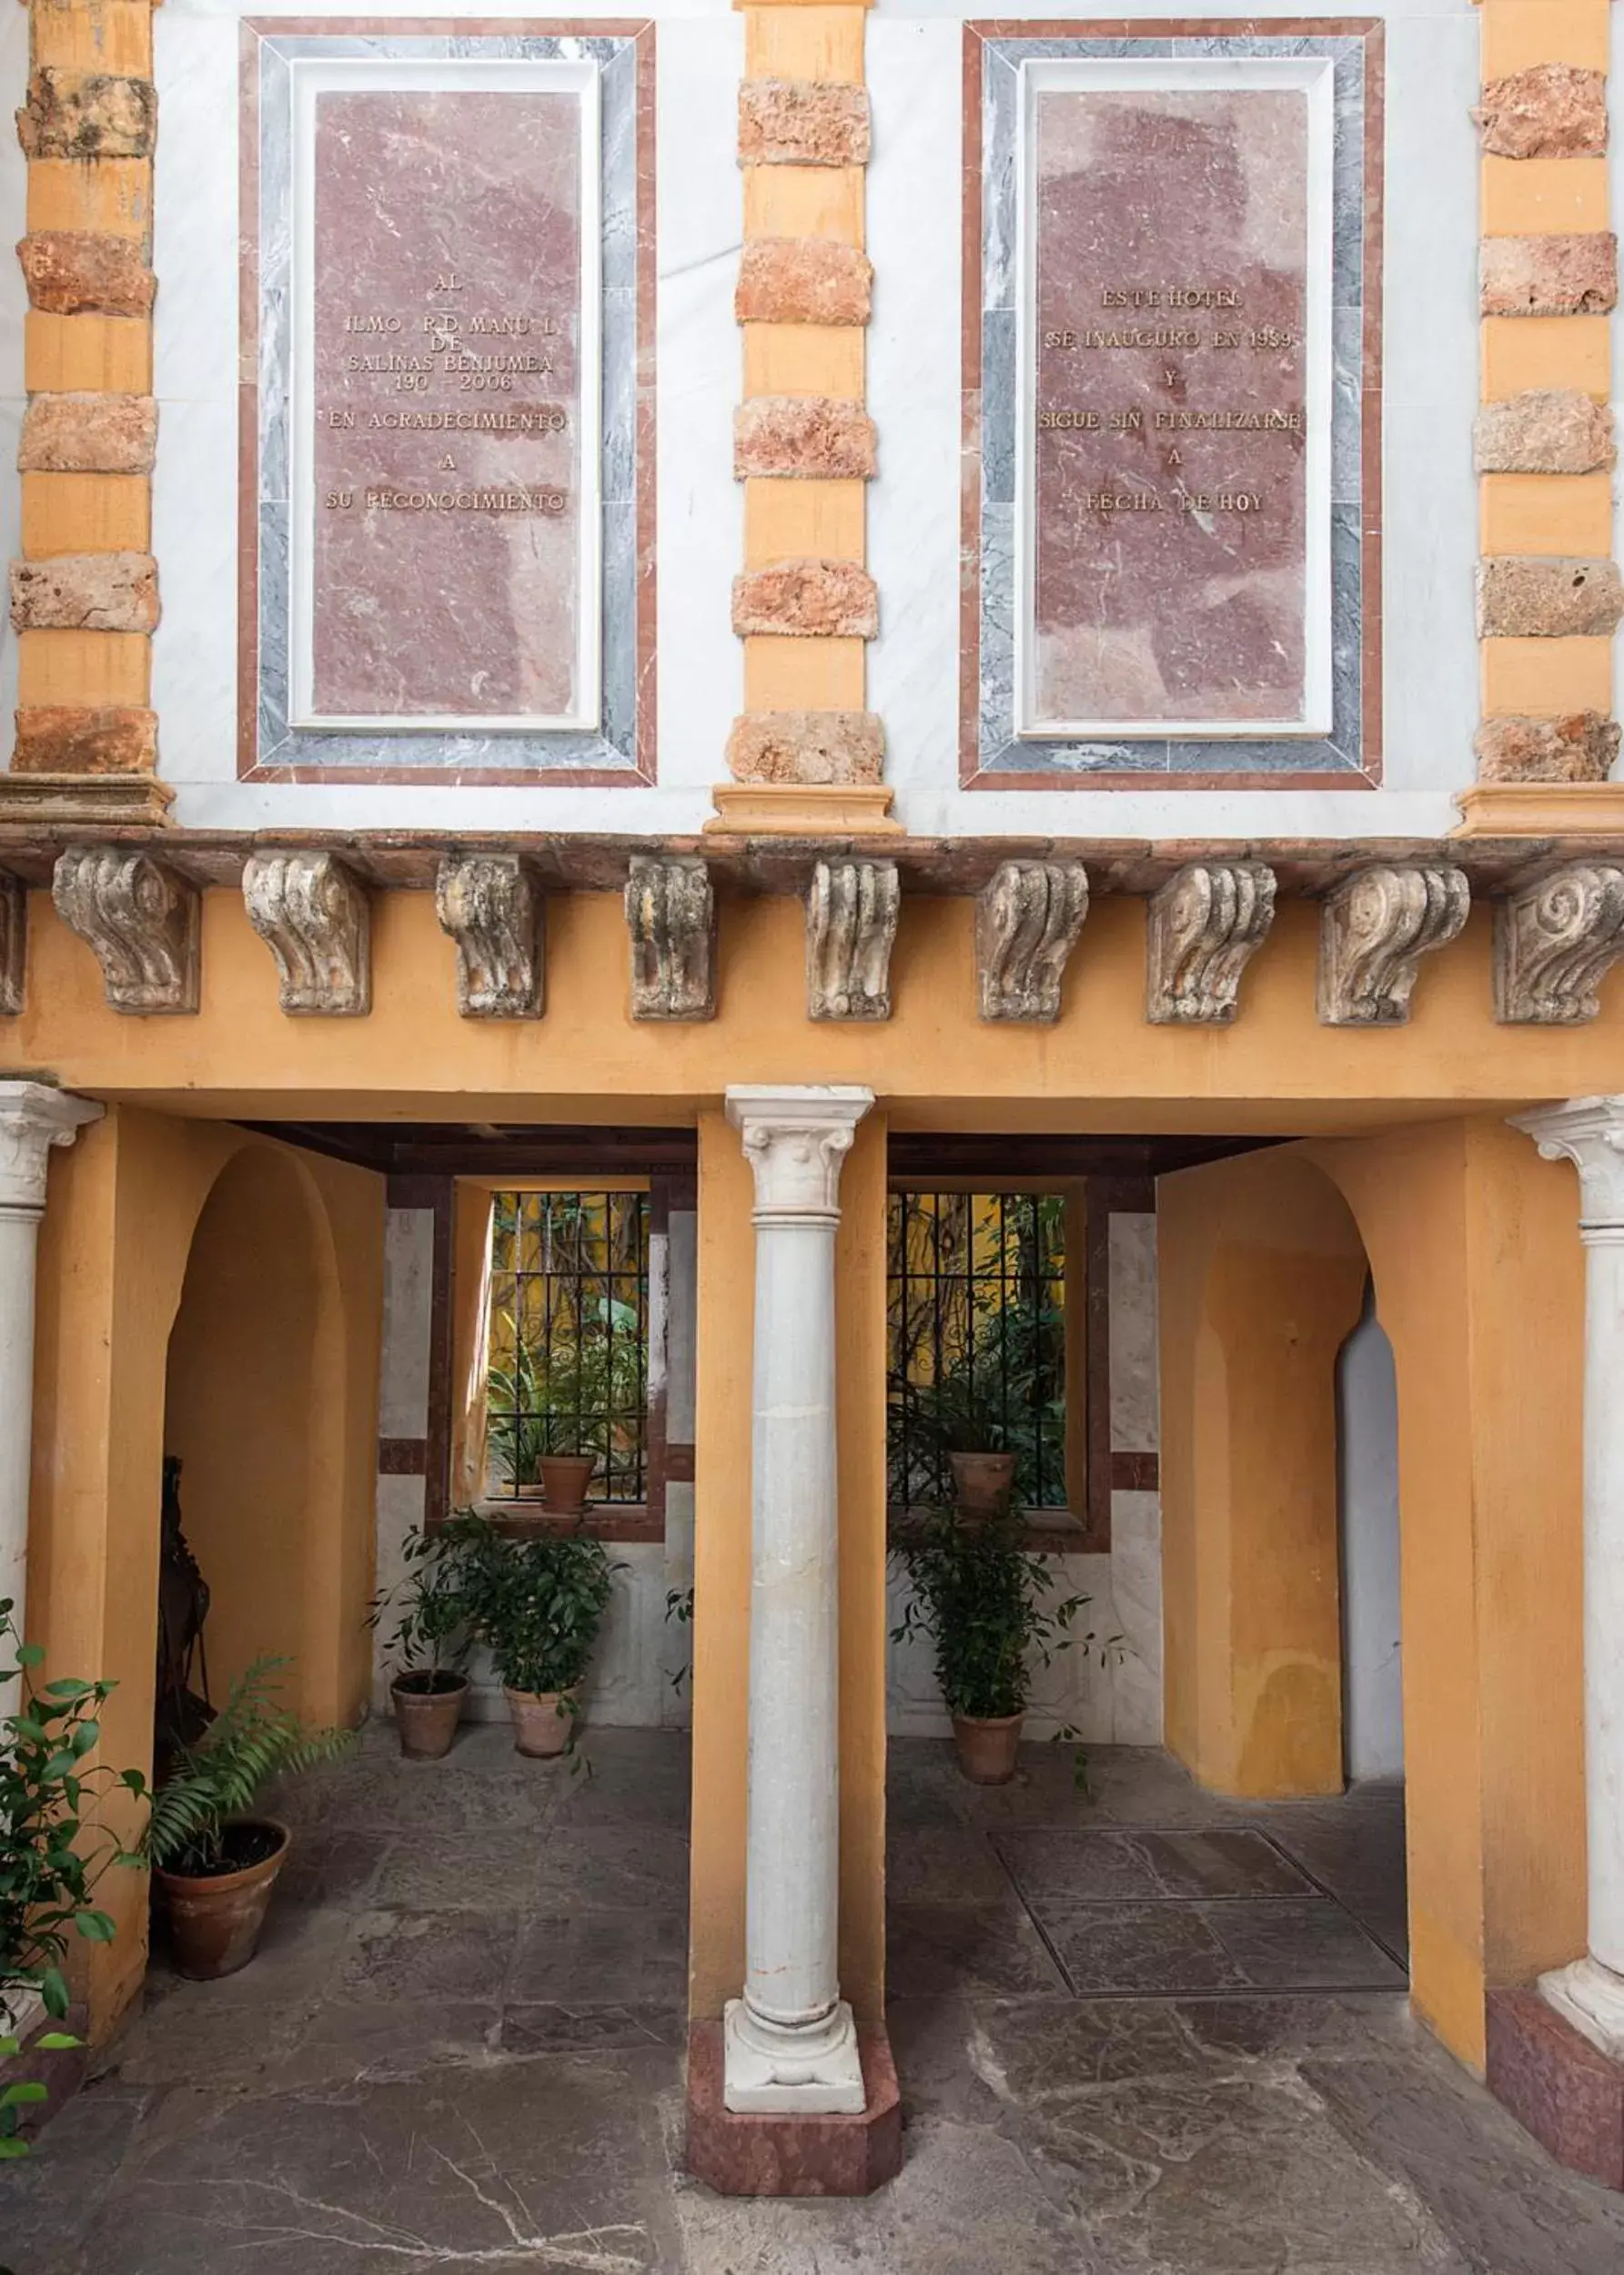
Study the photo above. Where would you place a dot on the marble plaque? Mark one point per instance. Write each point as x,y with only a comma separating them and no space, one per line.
1171,493
445,563
1177,284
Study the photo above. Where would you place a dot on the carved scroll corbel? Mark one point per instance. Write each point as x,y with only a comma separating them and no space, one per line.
851,925
492,908
671,914
14,945
1027,918
140,918
1205,925
1374,930
1555,942
313,914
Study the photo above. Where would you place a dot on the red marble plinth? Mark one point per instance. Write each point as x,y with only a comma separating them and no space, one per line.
1563,2089
792,2156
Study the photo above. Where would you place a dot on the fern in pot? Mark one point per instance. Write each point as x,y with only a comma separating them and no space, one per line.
215,1860
539,1605
985,1601
431,1638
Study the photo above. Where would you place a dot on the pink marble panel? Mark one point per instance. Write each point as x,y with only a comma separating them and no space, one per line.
1170,506
446,342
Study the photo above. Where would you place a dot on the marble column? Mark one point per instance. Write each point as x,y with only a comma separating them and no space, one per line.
1590,1132
790,2043
33,1118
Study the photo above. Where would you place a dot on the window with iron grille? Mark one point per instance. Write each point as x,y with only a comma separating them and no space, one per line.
568,1338
975,1290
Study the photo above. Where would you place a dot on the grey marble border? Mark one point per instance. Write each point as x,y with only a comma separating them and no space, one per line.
614,747
998,749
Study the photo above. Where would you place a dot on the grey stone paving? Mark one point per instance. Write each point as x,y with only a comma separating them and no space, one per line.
1140,2032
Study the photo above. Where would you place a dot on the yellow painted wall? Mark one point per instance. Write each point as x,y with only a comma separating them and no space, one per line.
115,1245
934,1062
726,1258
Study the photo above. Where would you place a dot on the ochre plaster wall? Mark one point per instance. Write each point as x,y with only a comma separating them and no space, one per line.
934,1062
115,1247
1474,1246
723,1561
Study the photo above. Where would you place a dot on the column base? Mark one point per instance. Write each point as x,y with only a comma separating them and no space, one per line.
1556,2085
770,2072
772,2154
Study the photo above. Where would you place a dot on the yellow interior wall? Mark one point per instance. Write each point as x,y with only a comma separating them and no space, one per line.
115,1245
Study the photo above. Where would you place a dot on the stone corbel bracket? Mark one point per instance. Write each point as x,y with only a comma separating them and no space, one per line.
1203,928
1374,930
1027,918
314,915
671,914
1555,942
851,926
494,909
14,945
142,921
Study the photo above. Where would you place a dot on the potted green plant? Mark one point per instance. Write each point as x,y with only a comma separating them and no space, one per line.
968,1424
551,1418
215,1862
539,1605
431,1639
50,1860
985,1601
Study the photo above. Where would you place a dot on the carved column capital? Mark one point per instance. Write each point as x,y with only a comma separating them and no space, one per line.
1374,930
795,1140
313,914
670,913
1555,942
1028,915
850,924
33,1118
1588,1132
492,908
140,918
14,945
1203,928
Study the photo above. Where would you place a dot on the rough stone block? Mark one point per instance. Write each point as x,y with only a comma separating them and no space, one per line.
1546,431
802,281
807,600
1550,276
1527,596
792,2156
1552,110
814,437
86,272
53,739
85,593
87,115
807,746
802,122
1581,747
90,434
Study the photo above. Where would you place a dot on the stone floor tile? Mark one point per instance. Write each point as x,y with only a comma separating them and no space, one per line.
426,1954
48,2201
1220,1861
1140,1949
332,1867
447,1872
595,1956
1351,2026
943,1864
1300,1944
561,2026
936,1948
611,1867
633,1777
375,2040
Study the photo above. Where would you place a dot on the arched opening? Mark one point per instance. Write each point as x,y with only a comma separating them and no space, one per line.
1368,1497
250,1387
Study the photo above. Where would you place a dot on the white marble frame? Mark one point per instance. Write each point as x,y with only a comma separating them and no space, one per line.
1067,75
609,746
310,77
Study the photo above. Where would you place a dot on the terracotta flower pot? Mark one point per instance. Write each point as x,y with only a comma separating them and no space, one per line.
565,1477
543,1725
427,1718
986,1748
983,1482
216,1920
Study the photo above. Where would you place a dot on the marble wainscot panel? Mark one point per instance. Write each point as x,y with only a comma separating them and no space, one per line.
1172,488
447,454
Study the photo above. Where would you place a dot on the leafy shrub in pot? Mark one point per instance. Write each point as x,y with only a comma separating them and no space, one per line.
431,1637
540,1604
215,1862
984,1600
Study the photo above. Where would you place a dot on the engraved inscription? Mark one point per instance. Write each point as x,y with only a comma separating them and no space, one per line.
1167,510
445,355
